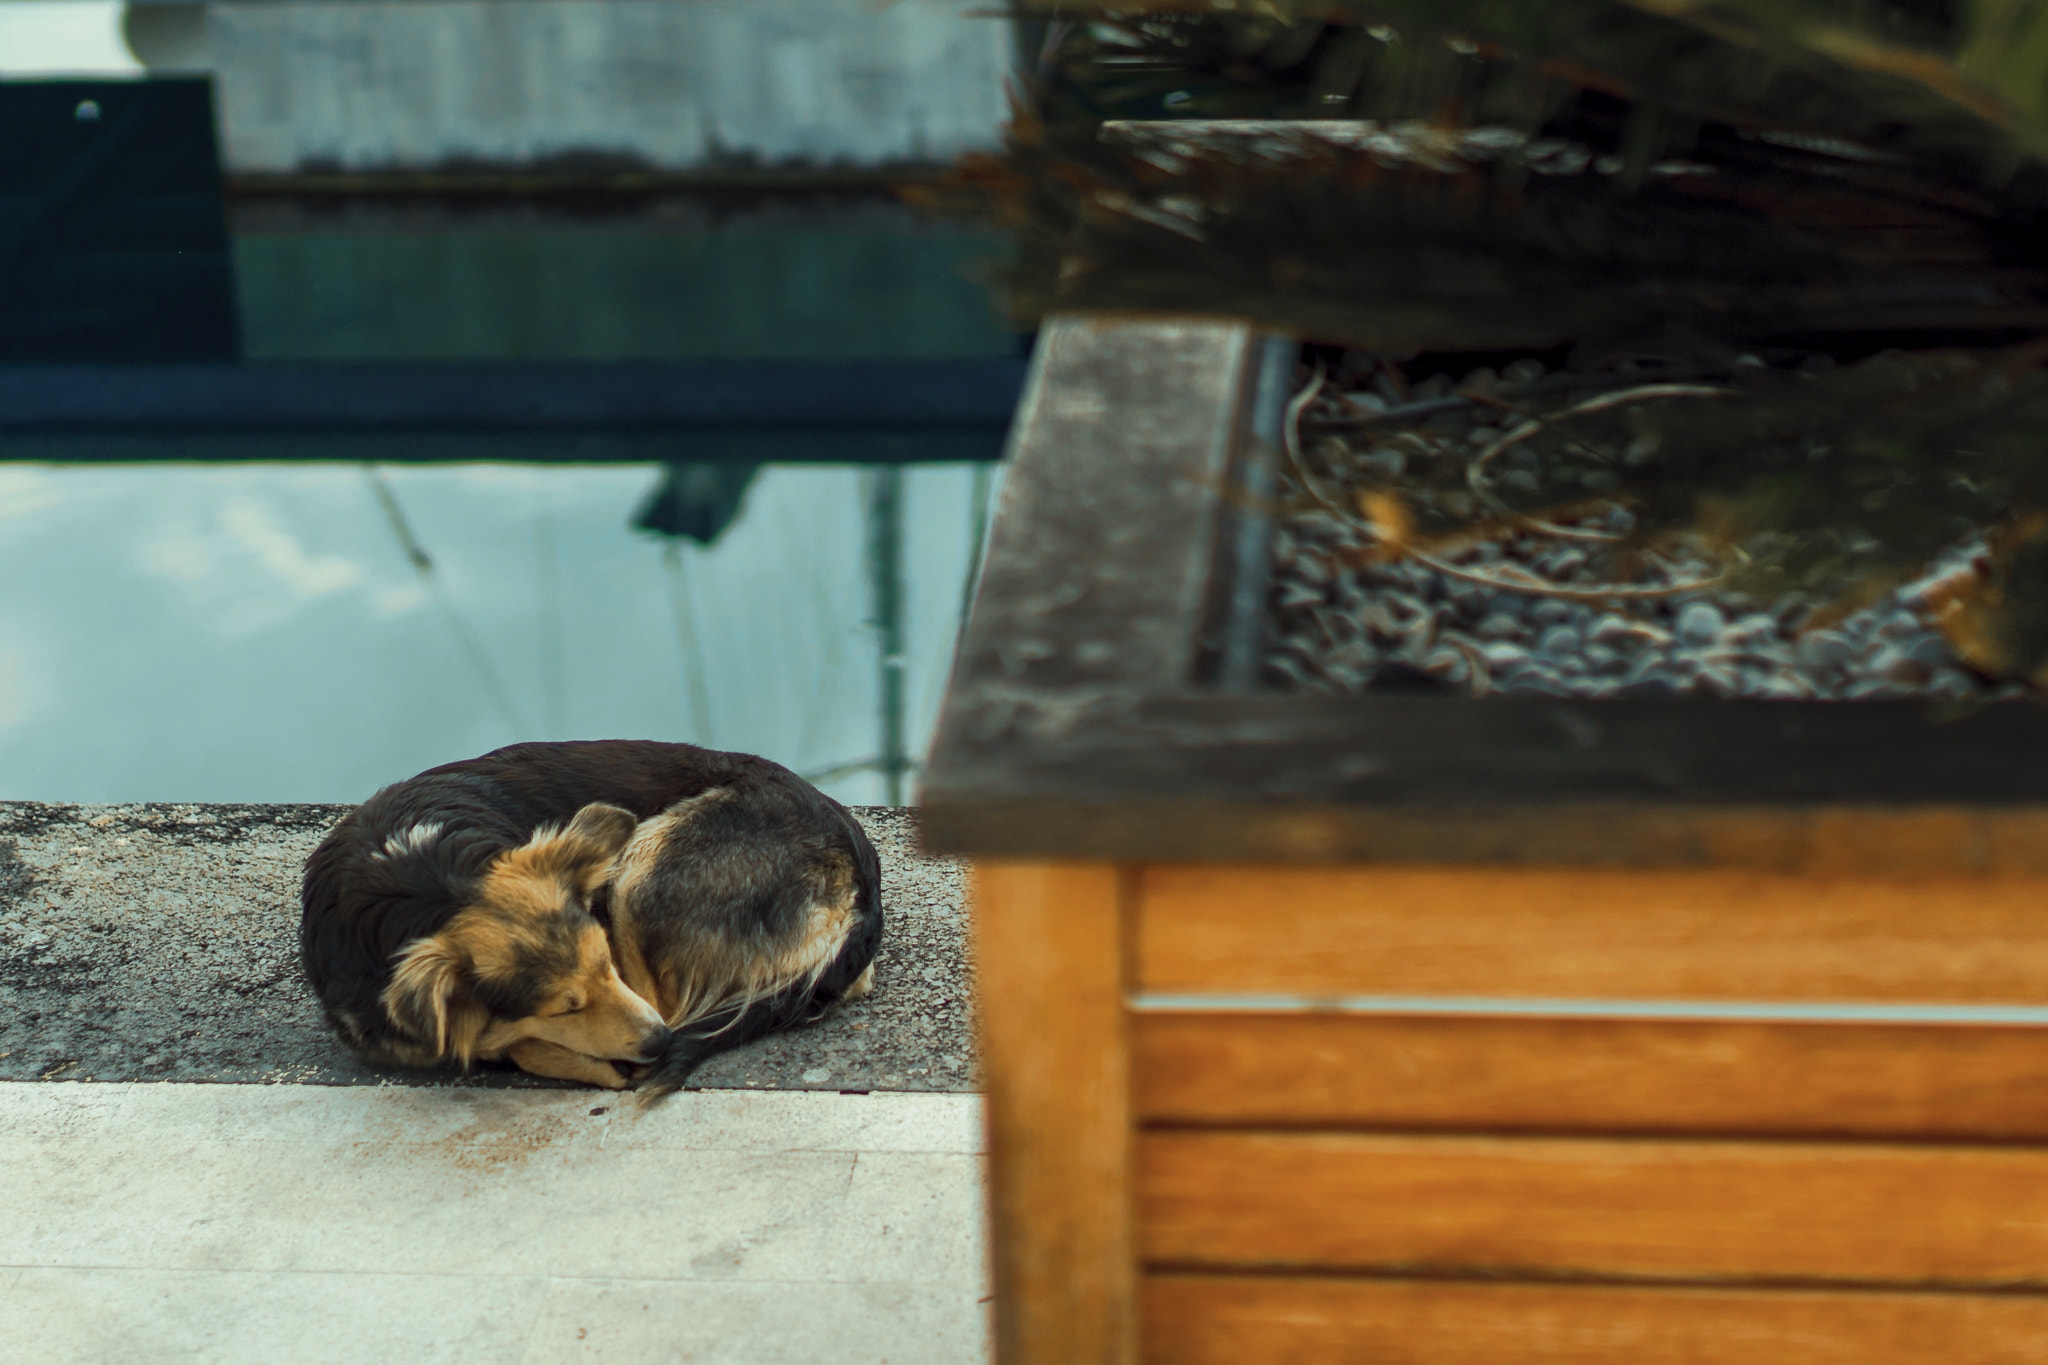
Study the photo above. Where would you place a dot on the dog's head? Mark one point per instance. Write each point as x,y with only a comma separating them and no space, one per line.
525,959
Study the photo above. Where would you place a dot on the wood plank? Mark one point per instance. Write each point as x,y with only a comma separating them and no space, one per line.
1941,1081
1620,1208
1711,934
1267,1320
1123,442
1050,943
1502,780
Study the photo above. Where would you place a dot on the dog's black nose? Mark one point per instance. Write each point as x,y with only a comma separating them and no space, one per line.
654,1044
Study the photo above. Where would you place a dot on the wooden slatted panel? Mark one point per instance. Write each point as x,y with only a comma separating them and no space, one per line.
1838,1212
1051,1017
1613,1075
1262,1320
1545,932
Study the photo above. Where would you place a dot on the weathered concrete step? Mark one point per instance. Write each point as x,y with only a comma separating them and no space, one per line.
356,1224
160,942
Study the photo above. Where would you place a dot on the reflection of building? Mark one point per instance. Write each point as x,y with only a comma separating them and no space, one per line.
586,86
493,235
825,277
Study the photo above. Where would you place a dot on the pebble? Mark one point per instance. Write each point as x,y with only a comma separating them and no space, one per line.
1758,625
1295,593
1930,650
1601,658
1896,666
1500,625
1823,650
1503,655
1700,624
1388,461
1449,665
1612,629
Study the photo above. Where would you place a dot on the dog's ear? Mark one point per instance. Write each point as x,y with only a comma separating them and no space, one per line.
604,828
429,998
582,851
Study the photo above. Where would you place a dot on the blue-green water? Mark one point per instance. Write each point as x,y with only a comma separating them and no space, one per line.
308,632
872,281
258,633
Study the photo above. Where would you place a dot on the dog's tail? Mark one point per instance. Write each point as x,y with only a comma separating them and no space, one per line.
745,1017
727,1027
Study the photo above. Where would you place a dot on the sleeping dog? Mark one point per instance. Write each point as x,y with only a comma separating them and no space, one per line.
603,912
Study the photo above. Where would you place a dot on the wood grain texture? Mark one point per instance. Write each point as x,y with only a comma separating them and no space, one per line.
1939,1081
1049,946
1613,1208
1122,442
1567,933
1245,1320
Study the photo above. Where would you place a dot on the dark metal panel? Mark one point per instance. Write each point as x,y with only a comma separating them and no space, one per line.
113,241
523,396
680,445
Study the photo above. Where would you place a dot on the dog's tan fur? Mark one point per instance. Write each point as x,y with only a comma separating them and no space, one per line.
586,1017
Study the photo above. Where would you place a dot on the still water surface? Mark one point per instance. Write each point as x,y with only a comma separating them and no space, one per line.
311,631
262,633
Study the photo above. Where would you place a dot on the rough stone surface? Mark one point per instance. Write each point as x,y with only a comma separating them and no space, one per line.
160,942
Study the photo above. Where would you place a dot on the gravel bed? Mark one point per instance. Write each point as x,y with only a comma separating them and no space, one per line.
1343,624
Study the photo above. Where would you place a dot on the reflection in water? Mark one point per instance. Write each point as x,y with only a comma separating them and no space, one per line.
824,278
308,633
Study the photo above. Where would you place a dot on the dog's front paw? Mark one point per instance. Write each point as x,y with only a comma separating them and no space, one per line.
552,1059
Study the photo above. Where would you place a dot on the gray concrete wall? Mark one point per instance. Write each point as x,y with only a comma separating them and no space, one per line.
160,943
675,85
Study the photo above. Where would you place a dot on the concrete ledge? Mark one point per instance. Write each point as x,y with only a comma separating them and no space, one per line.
160,943
359,1226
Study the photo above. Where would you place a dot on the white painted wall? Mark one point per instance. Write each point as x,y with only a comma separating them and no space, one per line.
55,38
679,84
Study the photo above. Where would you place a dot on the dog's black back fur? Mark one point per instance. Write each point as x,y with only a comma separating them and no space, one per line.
358,911
735,867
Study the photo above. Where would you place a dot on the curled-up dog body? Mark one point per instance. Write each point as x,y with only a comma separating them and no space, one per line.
602,911
741,911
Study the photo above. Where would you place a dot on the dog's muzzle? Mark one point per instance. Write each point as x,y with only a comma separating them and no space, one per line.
655,1044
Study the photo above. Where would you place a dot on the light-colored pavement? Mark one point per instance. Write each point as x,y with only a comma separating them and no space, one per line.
344,1224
